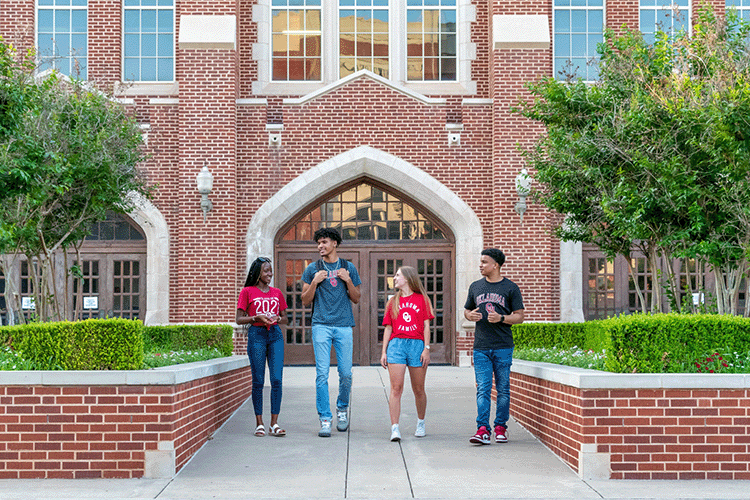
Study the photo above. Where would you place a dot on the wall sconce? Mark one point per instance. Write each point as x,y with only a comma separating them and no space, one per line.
205,183
523,188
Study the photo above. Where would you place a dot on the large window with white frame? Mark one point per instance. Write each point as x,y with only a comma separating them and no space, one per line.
578,27
148,40
669,16
61,36
407,40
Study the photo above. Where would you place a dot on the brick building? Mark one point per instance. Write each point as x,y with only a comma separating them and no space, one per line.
389,119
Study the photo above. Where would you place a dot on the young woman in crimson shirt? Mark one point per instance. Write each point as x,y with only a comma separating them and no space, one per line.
406,343
263,307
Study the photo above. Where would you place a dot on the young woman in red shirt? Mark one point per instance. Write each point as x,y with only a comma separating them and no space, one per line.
406,343
263,307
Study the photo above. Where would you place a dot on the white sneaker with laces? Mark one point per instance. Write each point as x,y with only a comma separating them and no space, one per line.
325,429
343,420
420,432
395,433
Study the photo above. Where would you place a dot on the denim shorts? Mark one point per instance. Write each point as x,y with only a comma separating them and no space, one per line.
405,351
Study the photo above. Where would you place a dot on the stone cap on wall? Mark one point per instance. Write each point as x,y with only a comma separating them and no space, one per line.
582,378
166,375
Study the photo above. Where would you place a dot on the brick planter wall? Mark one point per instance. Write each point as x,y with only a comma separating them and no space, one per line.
637,426
117,424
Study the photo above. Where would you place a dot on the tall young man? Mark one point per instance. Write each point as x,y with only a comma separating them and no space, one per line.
332,285
494,303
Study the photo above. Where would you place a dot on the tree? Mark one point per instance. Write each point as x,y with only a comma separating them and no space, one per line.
656,154
68,154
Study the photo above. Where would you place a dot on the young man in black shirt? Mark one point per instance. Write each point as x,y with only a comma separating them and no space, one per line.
494,303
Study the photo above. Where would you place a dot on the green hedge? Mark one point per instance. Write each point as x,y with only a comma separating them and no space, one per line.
663,343
189,337
589,335
640,343
93,344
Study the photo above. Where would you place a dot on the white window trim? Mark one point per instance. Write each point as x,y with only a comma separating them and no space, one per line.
60,7
688,11
554,29
147,84
261,53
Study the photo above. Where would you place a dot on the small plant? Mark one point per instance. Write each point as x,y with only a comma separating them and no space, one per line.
168,358
720,362
12,360
573,356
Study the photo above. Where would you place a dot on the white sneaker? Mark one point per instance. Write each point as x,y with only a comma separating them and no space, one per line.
325,429
420,432
343,421
395,433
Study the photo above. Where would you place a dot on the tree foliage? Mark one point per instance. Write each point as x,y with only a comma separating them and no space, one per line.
69,152
656,154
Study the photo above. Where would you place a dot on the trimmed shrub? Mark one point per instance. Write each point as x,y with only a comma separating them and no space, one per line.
588,335
92,344
663,343
189,337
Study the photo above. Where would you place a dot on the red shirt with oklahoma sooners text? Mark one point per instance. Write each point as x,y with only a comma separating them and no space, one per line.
410,317
256,303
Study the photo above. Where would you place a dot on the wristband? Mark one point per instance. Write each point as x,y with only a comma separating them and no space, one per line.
427,347
502,318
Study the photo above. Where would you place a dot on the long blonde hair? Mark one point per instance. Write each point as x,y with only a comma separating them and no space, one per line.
415,284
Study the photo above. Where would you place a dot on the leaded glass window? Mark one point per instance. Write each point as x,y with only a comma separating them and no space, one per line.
366,212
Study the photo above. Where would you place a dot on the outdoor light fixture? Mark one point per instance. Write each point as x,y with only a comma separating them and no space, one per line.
205,183
523,188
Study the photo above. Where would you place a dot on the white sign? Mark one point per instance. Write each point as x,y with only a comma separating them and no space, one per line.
27,303
698,298
91,302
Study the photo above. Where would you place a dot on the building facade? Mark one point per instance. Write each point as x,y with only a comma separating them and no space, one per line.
389,119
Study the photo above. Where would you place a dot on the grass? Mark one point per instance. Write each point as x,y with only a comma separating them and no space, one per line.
719,361
12,360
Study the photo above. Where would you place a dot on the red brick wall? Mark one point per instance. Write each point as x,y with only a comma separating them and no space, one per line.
648,433
104,431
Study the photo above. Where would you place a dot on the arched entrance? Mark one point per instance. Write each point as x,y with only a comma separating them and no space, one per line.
381,230
398,176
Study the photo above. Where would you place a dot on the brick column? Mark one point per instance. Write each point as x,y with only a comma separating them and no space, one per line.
203,290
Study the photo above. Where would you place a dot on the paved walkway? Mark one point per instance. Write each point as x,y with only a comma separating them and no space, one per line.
363,463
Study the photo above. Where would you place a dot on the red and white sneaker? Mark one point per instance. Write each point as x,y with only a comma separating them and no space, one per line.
501,434
481,437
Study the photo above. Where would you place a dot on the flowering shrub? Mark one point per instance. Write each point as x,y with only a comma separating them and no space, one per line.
720,362
12,360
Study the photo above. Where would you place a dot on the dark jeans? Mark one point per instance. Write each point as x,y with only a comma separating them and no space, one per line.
264,344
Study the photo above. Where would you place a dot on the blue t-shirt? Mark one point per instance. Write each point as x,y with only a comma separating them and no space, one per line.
331,305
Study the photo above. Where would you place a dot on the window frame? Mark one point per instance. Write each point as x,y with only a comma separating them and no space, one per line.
466,52
555,9
53,6
688,10
173,56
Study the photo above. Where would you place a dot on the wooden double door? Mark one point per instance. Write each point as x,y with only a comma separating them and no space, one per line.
376,268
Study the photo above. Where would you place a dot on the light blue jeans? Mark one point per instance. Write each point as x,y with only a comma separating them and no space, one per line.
486,364
341,338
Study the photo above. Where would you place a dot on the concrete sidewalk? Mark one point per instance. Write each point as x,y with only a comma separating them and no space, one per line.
363,463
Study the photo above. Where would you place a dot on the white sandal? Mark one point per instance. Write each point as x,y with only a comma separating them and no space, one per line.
260,431
277,431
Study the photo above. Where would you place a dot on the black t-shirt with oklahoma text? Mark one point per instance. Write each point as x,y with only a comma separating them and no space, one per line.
504,297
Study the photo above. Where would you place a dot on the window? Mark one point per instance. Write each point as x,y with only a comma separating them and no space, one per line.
742,7
366,212
406,41
363,37
62,36
431,40
148,40
578,26
296,37
669,16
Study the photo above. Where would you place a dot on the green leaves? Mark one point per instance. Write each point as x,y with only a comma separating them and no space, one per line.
657,152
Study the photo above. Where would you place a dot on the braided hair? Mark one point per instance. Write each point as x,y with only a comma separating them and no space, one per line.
253,275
